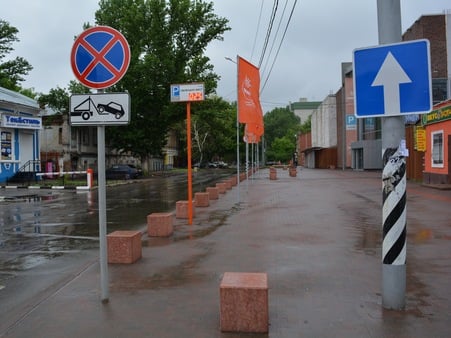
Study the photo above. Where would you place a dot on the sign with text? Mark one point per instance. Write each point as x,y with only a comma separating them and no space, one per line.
187,92
21,122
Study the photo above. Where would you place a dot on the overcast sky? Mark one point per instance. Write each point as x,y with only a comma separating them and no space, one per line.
322,34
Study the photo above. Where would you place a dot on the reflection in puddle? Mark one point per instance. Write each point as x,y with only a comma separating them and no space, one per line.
423,235
35,228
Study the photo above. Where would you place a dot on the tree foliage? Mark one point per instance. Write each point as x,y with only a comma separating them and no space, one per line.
58,98
213,131
281,149
281,128
12,72
167,41
217,119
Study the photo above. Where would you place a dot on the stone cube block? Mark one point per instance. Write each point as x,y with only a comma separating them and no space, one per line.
124,246
221,187
159,224
181,209
202,199
244,302
213,193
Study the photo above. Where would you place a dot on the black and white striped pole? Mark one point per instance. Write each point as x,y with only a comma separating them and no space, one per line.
394,229
394,214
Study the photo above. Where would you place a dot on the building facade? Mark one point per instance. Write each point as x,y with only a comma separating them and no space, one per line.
437,150
19,133
430,139
323,151
346,120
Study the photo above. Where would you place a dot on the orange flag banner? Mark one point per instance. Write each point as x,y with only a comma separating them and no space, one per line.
249,108
254,129
250,136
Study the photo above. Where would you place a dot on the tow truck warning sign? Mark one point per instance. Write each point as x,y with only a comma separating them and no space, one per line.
100,109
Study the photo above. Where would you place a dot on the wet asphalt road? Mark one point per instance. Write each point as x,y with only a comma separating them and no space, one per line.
38,225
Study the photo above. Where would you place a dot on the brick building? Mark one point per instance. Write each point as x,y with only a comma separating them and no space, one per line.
429,139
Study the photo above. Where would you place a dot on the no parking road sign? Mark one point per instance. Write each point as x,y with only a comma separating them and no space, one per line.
100,57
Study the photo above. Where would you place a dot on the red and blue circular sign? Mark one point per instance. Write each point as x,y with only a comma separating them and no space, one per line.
100,57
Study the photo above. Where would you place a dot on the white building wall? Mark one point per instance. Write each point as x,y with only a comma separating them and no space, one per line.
303,114
324,124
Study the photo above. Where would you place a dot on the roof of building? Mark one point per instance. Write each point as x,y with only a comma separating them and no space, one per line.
442,104
10,96
304,105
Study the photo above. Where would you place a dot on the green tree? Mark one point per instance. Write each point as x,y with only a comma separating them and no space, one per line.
58,98
217,118
12,72
307,125
213,131
167,41
281,126
279,122
281,149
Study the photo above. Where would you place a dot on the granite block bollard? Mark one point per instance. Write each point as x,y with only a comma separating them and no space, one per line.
244,302
124,246
213,193
159,224
181,209
202,199
221,187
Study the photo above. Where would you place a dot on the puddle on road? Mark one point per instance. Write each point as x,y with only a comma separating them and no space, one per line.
366,233
171,276
28,261
215,220
28,198
42,251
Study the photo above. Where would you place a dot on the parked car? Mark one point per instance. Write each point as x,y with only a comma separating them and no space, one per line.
199,165
222,164
121,171
138,169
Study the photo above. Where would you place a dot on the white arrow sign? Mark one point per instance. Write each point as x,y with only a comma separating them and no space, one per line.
402,69
390,76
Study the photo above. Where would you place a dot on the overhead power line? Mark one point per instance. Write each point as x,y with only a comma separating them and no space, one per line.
280,45
268,32
275,37
258,28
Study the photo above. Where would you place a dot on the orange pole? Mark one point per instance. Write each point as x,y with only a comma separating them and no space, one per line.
190,178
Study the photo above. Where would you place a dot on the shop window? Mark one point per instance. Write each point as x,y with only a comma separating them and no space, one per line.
437,149
372,128
7,146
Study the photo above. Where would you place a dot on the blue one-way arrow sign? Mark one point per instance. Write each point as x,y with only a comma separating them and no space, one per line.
392,80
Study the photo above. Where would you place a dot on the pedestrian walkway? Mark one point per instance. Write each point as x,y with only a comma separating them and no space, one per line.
318,238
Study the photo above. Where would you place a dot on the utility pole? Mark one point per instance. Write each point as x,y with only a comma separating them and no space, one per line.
393,132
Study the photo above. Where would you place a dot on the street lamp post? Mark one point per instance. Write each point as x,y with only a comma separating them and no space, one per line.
237,136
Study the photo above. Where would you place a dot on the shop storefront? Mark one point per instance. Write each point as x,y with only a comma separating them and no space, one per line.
19,134
437,157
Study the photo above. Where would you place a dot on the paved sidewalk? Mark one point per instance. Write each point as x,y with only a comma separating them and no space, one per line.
317,236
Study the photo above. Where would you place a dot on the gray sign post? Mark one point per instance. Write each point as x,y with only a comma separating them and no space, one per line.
393,131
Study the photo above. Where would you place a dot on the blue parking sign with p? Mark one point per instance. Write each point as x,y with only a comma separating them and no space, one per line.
176,91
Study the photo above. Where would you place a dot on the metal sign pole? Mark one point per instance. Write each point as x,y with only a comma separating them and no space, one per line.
102,213
190,177
394,195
